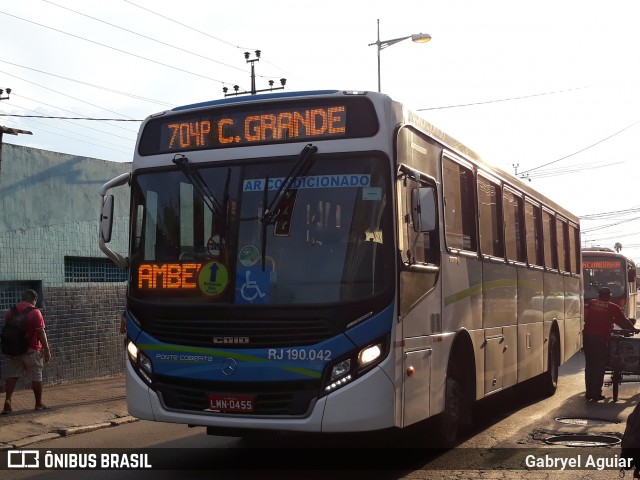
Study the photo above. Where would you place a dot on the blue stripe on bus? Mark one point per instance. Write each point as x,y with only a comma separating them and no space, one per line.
258,364
251,365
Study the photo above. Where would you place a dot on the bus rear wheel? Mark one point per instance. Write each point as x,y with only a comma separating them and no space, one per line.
549,380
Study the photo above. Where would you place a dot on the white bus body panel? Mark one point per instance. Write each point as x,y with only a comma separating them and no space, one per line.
573,316
531,333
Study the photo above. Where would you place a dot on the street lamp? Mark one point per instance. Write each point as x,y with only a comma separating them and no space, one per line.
382,44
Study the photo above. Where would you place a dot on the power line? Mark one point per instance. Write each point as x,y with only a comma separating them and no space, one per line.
83,141
70,118
499,100
583,149
554,172
65,110
606,215
205,34
115,49
589,230
83,126
145,36
187,26
614,237
107,89
64,94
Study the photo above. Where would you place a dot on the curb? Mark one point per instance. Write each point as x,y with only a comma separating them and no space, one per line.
65,432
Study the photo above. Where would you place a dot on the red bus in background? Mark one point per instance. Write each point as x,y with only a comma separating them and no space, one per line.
602,267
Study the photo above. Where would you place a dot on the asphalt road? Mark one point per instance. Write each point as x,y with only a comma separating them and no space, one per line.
511,427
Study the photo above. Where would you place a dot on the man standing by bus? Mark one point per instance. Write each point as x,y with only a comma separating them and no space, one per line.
600,316
32,362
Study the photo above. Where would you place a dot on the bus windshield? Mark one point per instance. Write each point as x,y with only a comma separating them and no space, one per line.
330,241
602,272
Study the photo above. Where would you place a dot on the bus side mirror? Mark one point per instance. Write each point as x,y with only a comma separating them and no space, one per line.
423,209
631,274
106,218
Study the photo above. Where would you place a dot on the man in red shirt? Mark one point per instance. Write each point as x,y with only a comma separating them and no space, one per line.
32,362
599,319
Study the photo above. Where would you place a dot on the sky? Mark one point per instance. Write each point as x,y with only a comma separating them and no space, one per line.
545,89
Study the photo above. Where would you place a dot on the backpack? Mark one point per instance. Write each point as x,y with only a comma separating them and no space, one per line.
13,339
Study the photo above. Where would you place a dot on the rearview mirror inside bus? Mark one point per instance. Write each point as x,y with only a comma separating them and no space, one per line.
423,209
106,218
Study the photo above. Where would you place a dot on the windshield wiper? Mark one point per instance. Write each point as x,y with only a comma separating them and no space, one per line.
199,183
270,214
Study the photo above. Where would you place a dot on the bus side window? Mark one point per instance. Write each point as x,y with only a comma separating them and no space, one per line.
513,227
459,206
490,218
550,240
534,234
574,248
562,230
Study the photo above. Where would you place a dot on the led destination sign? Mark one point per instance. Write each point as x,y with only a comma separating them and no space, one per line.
245,129
272,123
601,264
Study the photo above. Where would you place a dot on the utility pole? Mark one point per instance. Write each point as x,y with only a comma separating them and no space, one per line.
253,91
7,130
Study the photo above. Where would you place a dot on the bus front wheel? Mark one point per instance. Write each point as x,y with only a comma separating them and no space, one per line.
450,420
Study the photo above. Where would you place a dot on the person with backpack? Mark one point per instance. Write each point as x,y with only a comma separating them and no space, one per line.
29,359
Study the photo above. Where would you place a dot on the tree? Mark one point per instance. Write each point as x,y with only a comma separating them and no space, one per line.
617,247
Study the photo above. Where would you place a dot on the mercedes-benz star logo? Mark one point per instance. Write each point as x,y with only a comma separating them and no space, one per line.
229,366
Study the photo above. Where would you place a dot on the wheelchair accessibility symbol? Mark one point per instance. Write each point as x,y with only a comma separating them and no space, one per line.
252,285
250,289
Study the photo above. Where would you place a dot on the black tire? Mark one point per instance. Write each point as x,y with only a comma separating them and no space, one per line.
549,383
449,421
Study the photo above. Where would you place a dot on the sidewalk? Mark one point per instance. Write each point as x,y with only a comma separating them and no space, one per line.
73,408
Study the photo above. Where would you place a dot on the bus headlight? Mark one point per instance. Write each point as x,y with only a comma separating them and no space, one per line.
369,355
145,363
132,350
345,370
140,362
341,369
340,375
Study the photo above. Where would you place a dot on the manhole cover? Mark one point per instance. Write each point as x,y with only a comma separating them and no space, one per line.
583,440
586,422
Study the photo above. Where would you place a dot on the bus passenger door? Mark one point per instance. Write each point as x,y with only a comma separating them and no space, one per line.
419,294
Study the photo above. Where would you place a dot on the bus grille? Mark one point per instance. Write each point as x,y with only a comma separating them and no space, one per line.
291,398
241,333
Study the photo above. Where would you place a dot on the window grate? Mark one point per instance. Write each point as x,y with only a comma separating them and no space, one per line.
91,269
11,292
